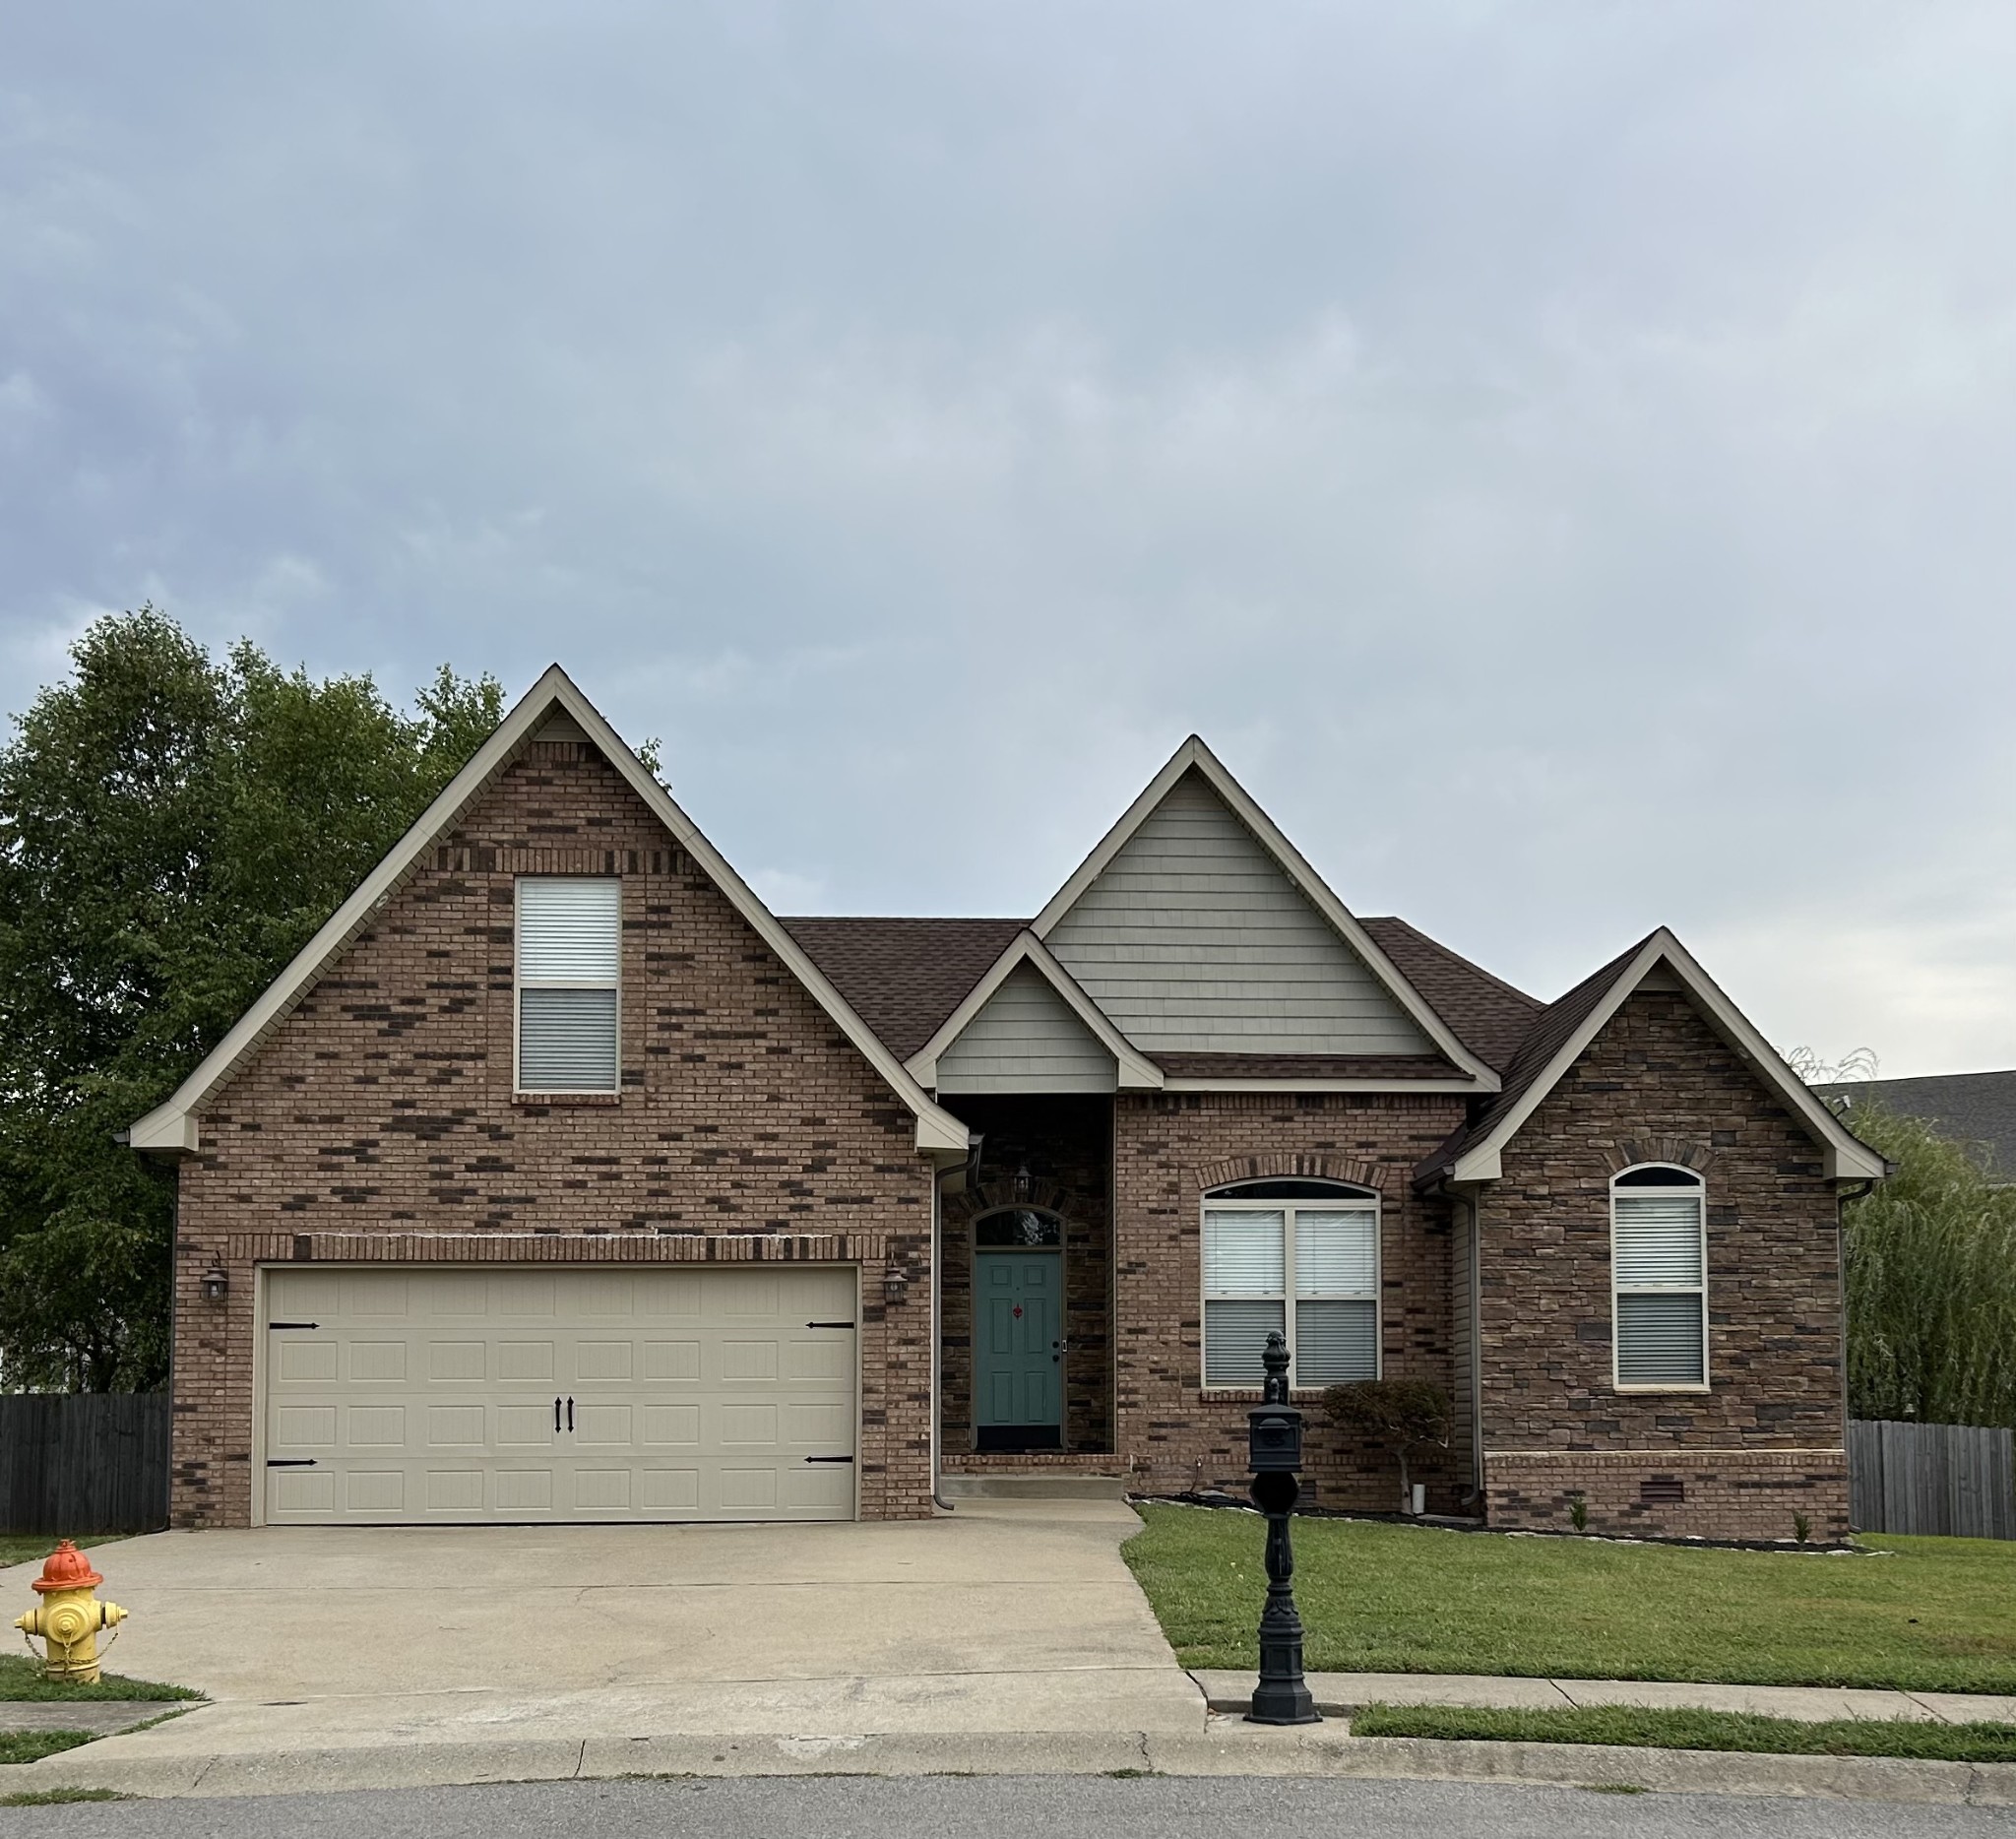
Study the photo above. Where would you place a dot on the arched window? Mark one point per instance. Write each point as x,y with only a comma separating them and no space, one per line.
1298,1257
1018,1228
1659,1278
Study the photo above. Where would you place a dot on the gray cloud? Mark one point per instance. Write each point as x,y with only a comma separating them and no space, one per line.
1560,456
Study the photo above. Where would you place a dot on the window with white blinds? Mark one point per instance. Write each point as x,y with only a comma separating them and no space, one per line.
1659,1274
569,949
1307,1270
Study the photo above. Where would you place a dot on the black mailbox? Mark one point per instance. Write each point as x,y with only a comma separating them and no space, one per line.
1275,1436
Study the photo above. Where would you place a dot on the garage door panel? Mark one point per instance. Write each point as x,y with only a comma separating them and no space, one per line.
430,1394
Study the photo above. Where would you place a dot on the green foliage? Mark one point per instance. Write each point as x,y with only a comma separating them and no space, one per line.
22,1682
34,1746
172,830
1932,1283
1925,1740
1405,1415
1918,1614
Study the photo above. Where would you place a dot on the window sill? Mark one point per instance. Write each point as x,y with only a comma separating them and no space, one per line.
554,1100
1652,1391
1255,1395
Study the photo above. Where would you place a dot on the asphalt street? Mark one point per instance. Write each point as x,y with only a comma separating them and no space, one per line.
999,1808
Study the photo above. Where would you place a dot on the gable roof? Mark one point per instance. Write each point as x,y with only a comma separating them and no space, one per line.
903,976
1490,1016
1569,1023
1977,1111
1194,756
173,1125
1134,1068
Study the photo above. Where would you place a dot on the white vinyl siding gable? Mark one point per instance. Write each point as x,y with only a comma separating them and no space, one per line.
1026,1039
1192,940
569,955
1658,1278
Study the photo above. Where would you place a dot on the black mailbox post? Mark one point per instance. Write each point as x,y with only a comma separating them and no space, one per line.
1274,1447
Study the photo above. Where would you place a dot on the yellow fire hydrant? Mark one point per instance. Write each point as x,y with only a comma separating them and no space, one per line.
69,1616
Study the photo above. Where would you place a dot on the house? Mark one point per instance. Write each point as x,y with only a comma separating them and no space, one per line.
1977,1111
558,1178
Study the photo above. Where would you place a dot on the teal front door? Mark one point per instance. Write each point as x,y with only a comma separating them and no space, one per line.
1018,1349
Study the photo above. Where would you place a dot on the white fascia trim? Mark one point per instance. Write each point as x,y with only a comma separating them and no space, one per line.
1194,753
1847,1159
1319,1084
1135,1070
173,1125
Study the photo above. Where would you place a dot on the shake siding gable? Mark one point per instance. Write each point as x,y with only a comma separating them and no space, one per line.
1193,941
1026,1039
379,1121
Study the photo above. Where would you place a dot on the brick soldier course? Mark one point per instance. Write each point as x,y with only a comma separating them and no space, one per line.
763,1115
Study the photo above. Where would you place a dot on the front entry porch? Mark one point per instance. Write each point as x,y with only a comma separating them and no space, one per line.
1026,1268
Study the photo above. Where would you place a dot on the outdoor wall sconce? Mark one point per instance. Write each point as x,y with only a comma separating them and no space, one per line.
895,1285
215,1284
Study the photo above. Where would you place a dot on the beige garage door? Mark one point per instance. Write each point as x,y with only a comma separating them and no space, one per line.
425,1393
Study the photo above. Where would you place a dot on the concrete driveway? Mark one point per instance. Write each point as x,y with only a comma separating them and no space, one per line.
1004,1617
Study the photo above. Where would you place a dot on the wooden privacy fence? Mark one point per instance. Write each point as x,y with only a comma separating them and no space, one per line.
1955,1479
83,1462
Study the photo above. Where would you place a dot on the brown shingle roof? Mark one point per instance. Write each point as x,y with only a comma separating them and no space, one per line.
903,976
1307,1066
1486,1014
1547,1035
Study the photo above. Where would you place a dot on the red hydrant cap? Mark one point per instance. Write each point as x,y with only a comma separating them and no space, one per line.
67,1569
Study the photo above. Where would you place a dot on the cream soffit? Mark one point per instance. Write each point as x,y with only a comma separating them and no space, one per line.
173,1126
1135,1070
1193,753
1662,956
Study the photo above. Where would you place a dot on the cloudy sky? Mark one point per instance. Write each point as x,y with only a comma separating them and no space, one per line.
1562,456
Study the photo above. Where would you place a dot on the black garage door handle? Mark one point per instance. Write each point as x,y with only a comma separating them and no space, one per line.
291,1462
829,1459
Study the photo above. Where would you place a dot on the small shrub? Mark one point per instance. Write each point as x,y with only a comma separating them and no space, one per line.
1405,1415
1802,1528
1578,1512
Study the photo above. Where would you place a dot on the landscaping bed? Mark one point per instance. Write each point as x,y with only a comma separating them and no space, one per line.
1644,1729
1917,1615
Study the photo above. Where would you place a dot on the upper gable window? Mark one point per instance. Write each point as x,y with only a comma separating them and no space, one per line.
1296,1257
569,948
1659,1275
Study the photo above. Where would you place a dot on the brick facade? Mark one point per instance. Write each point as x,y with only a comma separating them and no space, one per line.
379,1121
1169,1149
1765,1441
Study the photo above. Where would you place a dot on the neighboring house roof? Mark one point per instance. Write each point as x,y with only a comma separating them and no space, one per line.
1976,1109
175,1124
1564,1031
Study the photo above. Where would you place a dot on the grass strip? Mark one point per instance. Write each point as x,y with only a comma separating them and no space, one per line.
34,1746
22,1682
60,1797
1927,1615
34,1547
1696,1729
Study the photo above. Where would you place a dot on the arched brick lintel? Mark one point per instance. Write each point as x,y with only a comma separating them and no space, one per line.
1681,1151
1280,1167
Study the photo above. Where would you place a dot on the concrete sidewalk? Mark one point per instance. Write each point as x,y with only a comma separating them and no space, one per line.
1339,1694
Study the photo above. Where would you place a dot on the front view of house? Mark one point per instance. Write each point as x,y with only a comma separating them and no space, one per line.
560,1180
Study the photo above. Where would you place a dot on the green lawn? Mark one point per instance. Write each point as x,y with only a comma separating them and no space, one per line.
1933,1614
1697,1729
32,1548
34,1746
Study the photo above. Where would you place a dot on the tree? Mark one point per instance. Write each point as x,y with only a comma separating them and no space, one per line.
1405,1415
172,830
1931,1259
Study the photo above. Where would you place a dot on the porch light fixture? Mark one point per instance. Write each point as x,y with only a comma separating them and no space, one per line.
895,1285
217,1285
1022,1183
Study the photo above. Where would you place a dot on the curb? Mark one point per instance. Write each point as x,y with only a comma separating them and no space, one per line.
1225,1751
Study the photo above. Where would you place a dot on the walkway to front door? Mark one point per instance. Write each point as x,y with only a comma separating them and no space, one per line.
1018,1349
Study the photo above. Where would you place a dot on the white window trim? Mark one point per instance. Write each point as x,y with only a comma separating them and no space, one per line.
1699,1189
519,1089
1288,1209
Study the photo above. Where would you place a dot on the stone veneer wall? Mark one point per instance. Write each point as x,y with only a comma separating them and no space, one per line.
1169,1148
1066,1144
1766,1440
379,1121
